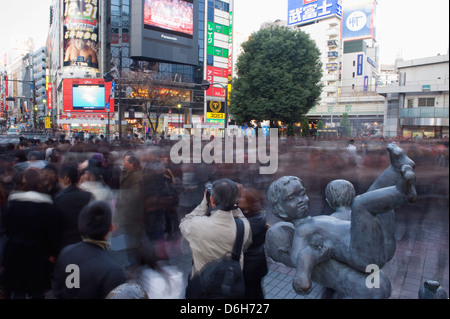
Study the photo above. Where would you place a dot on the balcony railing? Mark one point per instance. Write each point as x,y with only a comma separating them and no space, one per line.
425,112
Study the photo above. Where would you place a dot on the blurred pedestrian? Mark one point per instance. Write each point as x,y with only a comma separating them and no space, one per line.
91,181
251,203
129,213
95,273
49,177
69,202
32,229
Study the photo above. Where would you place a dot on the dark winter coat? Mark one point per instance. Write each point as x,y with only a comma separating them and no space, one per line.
130,201
30,220
69,202
98,272
255,263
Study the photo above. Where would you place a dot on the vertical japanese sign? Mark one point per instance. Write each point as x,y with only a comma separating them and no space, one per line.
49,96
81,33
360,64
230,57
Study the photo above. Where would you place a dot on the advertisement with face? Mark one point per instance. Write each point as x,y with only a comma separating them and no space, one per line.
81,33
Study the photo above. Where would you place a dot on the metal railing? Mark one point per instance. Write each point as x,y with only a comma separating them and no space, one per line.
425,112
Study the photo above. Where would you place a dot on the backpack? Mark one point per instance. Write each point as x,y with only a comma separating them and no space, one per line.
223,278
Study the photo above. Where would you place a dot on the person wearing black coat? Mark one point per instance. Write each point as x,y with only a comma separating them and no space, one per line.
255,264
30,221
69,202
86,270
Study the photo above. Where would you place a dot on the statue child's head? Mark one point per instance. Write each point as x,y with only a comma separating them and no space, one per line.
287,198
339,193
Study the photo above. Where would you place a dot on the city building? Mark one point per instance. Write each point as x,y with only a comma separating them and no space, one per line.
103,46
417,105
345,34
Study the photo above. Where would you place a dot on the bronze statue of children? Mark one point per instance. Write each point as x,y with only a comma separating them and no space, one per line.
357,243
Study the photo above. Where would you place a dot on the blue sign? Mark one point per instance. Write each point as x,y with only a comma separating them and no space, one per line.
360,64
366,83
305,11
113,86
107,106
358,19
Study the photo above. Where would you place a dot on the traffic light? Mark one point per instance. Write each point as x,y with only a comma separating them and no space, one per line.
103,117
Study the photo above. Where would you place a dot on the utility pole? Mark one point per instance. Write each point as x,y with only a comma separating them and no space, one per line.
34,105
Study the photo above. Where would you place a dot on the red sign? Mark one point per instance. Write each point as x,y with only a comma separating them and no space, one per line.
6,92
219,92
91,88
210,79
49,96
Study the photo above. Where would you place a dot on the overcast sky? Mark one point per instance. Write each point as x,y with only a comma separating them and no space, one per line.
412,28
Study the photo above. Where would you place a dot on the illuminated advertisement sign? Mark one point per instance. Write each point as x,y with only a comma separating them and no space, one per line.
49,96
175,17
164,30
87,96
305,11
358,20
81,33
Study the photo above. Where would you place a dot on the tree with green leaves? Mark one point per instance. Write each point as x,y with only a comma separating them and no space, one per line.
305,126
345,124
320,125
278,77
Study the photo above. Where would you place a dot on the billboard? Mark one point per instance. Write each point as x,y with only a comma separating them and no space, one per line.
358,20
306,11
80,30
165,30
86,96
176,17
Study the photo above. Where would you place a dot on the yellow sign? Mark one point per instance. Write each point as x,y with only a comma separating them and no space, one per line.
220,116
215,106
47,122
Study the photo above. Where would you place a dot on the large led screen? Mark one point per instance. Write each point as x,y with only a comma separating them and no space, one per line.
88,97
175,16
165,31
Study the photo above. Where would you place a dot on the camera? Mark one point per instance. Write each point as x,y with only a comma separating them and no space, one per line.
208,187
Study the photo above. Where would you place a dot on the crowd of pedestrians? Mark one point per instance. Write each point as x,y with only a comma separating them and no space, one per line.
135,192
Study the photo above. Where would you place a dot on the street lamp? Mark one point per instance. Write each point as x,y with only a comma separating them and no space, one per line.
205,86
